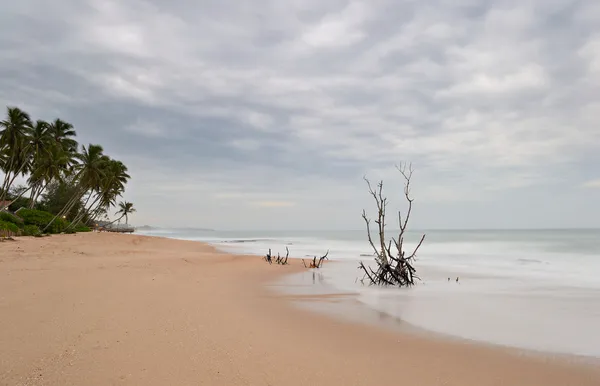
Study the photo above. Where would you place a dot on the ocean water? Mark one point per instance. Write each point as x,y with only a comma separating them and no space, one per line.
531,289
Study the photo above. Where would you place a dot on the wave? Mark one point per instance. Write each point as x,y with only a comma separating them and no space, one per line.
527,261
245,241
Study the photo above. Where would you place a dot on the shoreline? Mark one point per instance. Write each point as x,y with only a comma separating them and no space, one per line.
372,305
105,308
555,319
345,306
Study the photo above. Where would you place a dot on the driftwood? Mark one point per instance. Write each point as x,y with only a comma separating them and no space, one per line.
281,260
268,258
393,268
316,262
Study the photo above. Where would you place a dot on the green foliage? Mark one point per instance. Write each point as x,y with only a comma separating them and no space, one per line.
57,195
31,230
82,228
41,219
69,184
8,217
6,226
35,217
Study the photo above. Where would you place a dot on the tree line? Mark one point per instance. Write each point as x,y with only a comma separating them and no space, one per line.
77,183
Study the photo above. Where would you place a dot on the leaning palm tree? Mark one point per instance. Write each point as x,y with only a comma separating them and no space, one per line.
4,157
88,176
14,142
125,209
112,185
35,149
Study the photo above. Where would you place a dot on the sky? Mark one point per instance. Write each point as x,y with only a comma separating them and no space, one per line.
267,114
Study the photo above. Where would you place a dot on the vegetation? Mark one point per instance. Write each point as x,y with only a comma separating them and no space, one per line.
31,230
82,229
43,220
8,217
68,187
8,229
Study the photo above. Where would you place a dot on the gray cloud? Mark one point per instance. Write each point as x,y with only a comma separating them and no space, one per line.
268,114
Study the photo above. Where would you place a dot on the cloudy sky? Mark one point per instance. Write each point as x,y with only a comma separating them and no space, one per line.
266,114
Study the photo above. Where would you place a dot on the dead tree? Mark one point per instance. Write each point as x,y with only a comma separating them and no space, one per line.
393,268
316,263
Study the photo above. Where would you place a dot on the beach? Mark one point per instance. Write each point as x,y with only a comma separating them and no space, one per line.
104,309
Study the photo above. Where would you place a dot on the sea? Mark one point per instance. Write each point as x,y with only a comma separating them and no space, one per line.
537,290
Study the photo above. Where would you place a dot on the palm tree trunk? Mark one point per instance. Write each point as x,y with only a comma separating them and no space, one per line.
39,193
70,202
114,221
12,179
68,206
83,212
36,187
94,213
4,190
82,209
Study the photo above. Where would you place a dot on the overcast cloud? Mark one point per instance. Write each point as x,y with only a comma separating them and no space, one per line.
266,114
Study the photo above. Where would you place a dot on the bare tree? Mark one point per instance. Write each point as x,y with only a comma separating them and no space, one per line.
393,268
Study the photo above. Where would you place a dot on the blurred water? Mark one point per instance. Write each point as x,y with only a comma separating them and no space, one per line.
535,289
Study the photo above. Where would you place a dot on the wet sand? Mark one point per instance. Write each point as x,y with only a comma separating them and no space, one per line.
107,309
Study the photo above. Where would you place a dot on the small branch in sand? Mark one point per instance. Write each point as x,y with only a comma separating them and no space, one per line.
268,258
316,263
283,260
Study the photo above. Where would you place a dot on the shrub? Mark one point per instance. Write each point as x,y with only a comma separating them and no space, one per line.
35,217
8,228
42,219
31,230
8,217
58,226
82,228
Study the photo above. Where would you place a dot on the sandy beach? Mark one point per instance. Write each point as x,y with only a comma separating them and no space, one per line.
106,309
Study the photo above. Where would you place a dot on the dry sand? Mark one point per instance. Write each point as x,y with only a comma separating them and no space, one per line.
106,309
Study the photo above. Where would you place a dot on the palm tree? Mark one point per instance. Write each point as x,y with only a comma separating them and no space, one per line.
35,149
63,133
111,186
14,142
88,176
48,168
46,153
125,209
